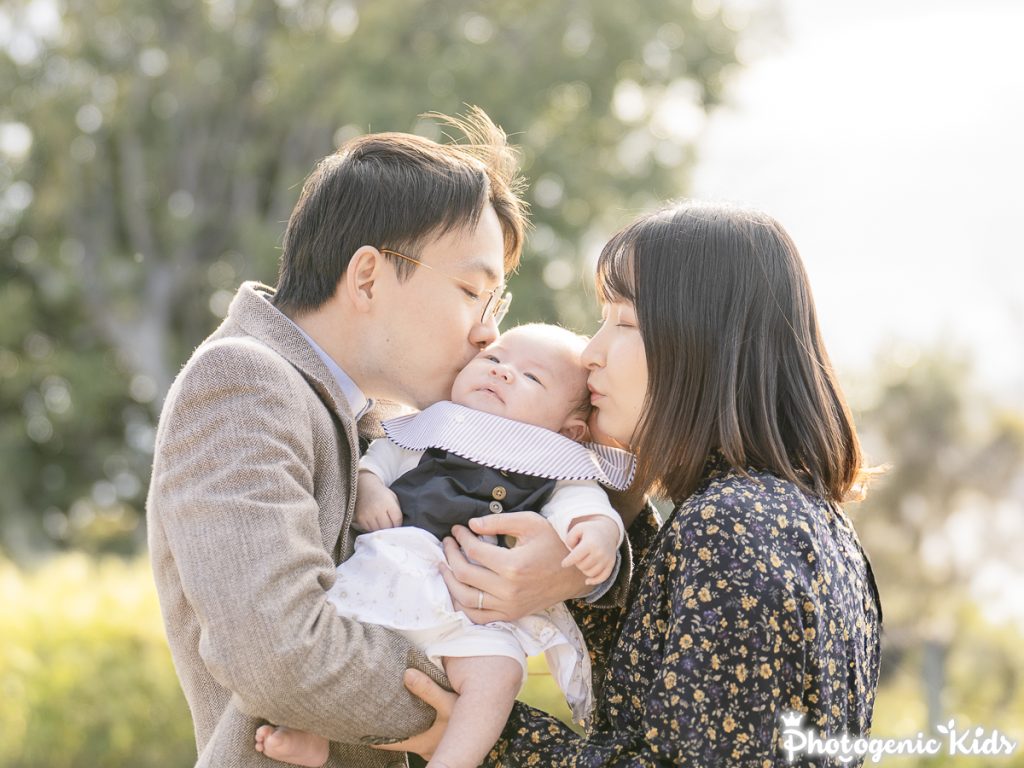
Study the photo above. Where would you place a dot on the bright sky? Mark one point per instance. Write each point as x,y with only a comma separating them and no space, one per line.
888,137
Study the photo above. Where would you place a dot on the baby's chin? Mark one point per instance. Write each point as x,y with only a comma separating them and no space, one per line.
488,403
484,401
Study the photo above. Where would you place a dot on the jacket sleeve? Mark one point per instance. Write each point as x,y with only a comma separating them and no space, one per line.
232,489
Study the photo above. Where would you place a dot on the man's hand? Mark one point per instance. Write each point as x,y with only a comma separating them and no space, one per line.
376,505
594,541
424,744
511,582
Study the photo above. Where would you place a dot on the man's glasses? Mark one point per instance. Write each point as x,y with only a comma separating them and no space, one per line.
496,305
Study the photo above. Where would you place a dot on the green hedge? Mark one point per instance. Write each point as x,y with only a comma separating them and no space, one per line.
86,677
85,674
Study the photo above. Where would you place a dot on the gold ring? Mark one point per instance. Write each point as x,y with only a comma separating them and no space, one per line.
480,600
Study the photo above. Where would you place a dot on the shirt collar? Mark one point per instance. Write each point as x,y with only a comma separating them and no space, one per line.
357,401
513,446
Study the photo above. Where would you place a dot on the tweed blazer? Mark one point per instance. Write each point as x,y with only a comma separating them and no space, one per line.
249,507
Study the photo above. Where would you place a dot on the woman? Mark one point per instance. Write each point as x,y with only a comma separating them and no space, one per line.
754,598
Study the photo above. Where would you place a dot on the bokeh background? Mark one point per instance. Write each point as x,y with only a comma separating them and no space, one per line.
151,151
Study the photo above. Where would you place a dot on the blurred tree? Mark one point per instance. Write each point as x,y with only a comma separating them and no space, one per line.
945,514
150,153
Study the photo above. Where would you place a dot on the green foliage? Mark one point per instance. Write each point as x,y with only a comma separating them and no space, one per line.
168,144
87,679
86,675
85,671
942,528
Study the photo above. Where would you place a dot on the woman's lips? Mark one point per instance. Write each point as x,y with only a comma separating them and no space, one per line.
595,396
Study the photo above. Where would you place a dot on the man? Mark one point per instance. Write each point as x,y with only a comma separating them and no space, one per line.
254,470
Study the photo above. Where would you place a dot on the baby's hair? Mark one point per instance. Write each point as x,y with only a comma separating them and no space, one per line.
577,342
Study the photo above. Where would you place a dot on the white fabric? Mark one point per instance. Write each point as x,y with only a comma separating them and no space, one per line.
393,579
513,446
389,461
569,500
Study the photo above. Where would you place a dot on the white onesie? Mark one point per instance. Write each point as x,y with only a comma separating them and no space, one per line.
393,577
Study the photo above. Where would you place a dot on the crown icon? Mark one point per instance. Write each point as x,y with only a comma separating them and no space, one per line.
792,719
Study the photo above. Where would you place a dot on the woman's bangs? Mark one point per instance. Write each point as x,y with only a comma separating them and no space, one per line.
614,278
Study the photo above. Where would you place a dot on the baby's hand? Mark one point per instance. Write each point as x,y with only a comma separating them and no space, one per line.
594,541
376,505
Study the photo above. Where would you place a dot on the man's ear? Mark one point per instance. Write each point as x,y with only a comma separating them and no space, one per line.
575,429
360,280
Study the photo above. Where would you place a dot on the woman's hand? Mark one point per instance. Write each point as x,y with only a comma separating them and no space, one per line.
421,686
511,582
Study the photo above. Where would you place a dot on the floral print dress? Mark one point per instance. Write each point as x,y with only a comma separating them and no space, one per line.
753,599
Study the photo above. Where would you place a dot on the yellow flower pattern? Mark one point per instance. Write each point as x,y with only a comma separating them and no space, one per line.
752,599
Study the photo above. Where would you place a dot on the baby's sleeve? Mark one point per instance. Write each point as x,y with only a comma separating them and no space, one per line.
578,498
387,460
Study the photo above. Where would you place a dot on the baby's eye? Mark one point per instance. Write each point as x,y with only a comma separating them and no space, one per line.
492,358
531,377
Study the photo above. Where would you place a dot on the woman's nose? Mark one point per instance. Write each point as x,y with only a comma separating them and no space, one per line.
593,354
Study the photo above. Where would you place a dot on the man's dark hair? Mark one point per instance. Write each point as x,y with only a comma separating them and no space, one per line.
397,191
735,358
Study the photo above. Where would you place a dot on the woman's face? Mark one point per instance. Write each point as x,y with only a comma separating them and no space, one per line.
617,363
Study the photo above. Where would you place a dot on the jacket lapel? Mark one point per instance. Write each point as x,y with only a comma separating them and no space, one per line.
252,311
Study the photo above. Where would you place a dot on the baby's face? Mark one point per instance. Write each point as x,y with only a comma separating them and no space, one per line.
526,375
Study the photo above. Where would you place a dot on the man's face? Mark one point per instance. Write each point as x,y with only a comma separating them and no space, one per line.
526,376
433,321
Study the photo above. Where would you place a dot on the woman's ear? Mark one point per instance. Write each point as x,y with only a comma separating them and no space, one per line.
360,279
575,429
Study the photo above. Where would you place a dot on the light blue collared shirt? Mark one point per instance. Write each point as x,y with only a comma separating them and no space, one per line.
357,401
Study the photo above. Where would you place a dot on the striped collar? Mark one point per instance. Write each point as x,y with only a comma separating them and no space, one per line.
513,446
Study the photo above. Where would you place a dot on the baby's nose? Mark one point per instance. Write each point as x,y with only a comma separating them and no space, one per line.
502,372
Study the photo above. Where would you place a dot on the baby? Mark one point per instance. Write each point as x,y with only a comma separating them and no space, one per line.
506,442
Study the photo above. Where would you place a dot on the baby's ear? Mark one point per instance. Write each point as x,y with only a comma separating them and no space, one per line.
575,429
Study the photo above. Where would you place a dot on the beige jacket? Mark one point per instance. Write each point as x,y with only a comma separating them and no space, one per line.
249,509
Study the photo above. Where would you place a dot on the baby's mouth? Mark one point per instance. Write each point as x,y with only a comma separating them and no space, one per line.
492,393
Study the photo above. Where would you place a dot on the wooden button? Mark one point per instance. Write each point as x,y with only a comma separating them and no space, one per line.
499,492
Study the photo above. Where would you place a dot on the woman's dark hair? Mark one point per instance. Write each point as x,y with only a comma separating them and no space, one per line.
735,358
396,191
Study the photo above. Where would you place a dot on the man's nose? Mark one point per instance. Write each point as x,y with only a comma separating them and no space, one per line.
484,333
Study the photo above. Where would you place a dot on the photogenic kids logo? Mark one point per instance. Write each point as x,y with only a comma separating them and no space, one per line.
799,741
